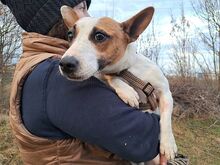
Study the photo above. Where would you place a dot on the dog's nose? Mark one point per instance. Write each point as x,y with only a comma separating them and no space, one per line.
69,64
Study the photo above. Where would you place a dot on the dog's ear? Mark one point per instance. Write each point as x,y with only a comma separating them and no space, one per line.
69,16
138,23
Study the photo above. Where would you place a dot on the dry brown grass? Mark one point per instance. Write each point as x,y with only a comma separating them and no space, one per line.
195,98
199,139
8,150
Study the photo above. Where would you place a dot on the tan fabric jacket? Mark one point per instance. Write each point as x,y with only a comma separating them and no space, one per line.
37,150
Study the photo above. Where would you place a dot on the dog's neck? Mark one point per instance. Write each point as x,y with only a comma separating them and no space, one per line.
128,60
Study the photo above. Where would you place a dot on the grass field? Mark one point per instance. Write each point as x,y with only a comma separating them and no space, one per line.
8,151
199,139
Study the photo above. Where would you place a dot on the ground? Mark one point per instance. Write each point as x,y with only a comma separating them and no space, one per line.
8,150
199,139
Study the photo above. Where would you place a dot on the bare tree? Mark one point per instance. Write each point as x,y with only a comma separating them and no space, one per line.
181,49
149,45
209,12
9,45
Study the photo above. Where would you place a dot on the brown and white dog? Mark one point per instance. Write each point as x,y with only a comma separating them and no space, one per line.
105,46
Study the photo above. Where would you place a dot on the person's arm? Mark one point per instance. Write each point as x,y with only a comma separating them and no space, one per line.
92,112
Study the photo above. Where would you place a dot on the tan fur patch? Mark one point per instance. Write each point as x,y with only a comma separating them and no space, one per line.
114,47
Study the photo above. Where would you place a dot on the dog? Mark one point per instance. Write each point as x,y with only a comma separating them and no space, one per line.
103,45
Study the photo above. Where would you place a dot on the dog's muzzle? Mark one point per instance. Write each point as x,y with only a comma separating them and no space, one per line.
69,65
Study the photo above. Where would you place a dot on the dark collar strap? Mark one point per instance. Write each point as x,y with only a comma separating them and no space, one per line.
147,88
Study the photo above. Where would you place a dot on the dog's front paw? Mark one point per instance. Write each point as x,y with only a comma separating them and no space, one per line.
168,145
129,96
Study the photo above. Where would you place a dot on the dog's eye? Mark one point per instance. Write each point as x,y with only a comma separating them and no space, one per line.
70,35
100,37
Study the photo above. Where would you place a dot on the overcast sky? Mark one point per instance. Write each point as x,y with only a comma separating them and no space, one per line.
123,9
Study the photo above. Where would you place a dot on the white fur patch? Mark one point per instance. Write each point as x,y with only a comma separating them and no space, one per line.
83,50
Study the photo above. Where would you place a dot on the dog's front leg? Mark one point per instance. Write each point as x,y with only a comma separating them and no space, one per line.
124,91
167,141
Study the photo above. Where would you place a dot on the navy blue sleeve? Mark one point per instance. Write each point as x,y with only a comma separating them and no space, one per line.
92,112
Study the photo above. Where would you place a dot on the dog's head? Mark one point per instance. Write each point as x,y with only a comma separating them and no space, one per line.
97,43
